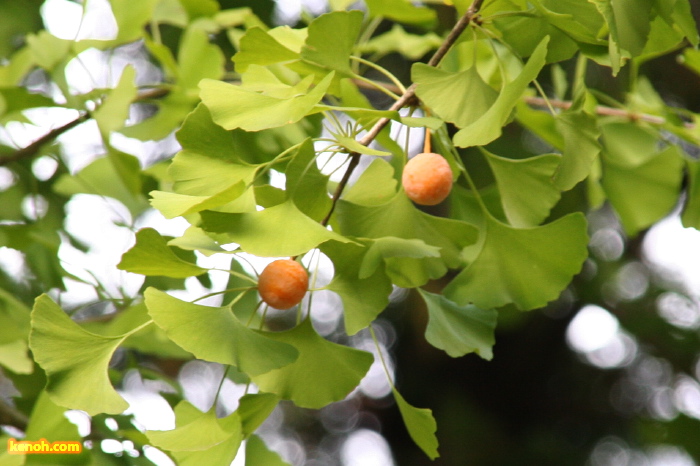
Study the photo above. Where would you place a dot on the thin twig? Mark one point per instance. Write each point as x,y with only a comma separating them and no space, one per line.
10,416
405,99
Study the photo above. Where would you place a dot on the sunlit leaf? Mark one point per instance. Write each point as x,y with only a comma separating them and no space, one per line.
409,263
628,144
488,127
215,334
151,255
325,372
305,183
200,434
645,194
234,107
47,50
14,356
528,267
420,424
282,230
459,330
411,46
532,176
75,360
469,96
258,47
580,134
254,408
173,205
359,309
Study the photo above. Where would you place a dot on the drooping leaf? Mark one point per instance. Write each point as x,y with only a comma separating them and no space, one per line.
75,360
151,255
331,40
282,230
200,175
532,176
173,205
628,144
459,330
215,334
409,263
359,309
234,107
528,267
469,96
488,127
645,194
325,372
420,424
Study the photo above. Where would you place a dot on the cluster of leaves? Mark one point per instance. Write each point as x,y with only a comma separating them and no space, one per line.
505,240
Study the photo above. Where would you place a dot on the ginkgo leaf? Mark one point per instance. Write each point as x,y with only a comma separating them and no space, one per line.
691,210
215,334
201,434
359,309
532,176
151,255
234,107
111,115
402,11
305,183
173,205
409,263
254,408
198,59
331,40
645,194
259,47
420,424
488,127
459,330
525,266
580,147
257,454
75,360
325,372
281,230
433,84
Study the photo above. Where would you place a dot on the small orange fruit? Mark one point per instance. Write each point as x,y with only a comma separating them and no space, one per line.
427,179
283,283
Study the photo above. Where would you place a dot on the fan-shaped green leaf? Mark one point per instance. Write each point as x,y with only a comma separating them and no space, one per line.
488,127
257,454
469,96
645,194
198,59
258,47
459,330
111,115
331,40
215,334
282,230
234,107
580,147
201,434
528,267
151,255
325,372
74,359
402,11
526,187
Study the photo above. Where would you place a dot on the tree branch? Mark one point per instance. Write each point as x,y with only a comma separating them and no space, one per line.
12,417
403,101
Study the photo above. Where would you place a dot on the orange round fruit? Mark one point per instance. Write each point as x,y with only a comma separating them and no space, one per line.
427,179
283,283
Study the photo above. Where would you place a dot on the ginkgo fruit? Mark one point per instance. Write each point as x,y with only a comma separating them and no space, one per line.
283,283
427,179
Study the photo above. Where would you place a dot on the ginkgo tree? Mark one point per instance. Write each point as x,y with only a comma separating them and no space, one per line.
247,102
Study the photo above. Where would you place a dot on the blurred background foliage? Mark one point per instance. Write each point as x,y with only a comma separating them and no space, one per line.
606,375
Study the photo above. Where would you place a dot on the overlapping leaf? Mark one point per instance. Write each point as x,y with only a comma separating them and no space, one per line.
527,267
488,127
459,330
215,334
281,230
325,372
527,191
359,309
